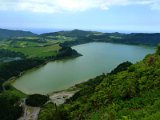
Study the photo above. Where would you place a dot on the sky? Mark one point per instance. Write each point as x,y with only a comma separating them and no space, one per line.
100,15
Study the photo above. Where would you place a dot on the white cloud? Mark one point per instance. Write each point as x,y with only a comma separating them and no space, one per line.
53,6
156,5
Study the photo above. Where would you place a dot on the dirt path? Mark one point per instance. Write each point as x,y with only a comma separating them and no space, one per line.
30,113
60,97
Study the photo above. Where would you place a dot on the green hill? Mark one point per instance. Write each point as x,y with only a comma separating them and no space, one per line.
133,38
5,33
129,93
76,36
81,36
74,33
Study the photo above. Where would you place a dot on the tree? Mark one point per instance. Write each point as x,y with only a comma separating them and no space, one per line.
36,100
158,49
10,108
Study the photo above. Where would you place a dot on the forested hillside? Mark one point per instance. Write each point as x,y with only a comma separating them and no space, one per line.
131,93
76,36
151,39
134,38
47,45
73,33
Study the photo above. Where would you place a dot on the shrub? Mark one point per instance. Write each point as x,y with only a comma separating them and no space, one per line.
36,100
158,49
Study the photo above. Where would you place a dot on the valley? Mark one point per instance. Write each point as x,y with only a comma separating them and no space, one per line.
82,63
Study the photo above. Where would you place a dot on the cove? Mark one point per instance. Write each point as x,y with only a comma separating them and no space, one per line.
97,58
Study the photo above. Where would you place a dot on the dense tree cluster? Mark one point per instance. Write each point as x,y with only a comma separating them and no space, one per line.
52,112
36,100
14,68
158,50
121,67
67,52
10,69
11,54
10,106
37,40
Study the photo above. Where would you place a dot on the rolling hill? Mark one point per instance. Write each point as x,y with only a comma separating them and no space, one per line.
73,33
5,33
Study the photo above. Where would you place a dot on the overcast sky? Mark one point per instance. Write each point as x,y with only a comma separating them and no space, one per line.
111,15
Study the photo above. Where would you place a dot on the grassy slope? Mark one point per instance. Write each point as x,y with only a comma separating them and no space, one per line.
35,46
44,45
31,52
132,94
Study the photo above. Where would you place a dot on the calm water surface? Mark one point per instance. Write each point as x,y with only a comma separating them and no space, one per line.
97,58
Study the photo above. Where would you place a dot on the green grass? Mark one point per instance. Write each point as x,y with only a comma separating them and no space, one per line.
115,37
31,38
9,88
40,52
32,47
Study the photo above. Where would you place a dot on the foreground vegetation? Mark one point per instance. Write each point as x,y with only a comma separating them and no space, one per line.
131,93
11,104
36,100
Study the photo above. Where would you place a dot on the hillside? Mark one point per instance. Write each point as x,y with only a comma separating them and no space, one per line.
81,36
134,38
73,33
76,36
151,39
5,33
130,92
47,45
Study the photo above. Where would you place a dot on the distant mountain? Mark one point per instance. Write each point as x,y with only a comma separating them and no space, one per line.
92,36
5,33
133,38
73,33
82,36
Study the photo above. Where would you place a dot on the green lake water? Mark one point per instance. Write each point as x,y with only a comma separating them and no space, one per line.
97,58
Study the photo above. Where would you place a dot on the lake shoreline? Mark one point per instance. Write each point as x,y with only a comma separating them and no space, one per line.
58,60
55,58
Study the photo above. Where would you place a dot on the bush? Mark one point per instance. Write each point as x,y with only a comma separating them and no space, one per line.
121,67
158,49
10,108
36,100
52,112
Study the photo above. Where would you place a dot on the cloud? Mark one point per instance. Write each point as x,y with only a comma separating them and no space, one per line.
54,6
156,5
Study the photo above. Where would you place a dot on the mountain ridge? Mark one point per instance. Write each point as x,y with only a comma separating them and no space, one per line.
7,33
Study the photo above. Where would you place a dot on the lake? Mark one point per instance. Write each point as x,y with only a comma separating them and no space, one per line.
97,58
